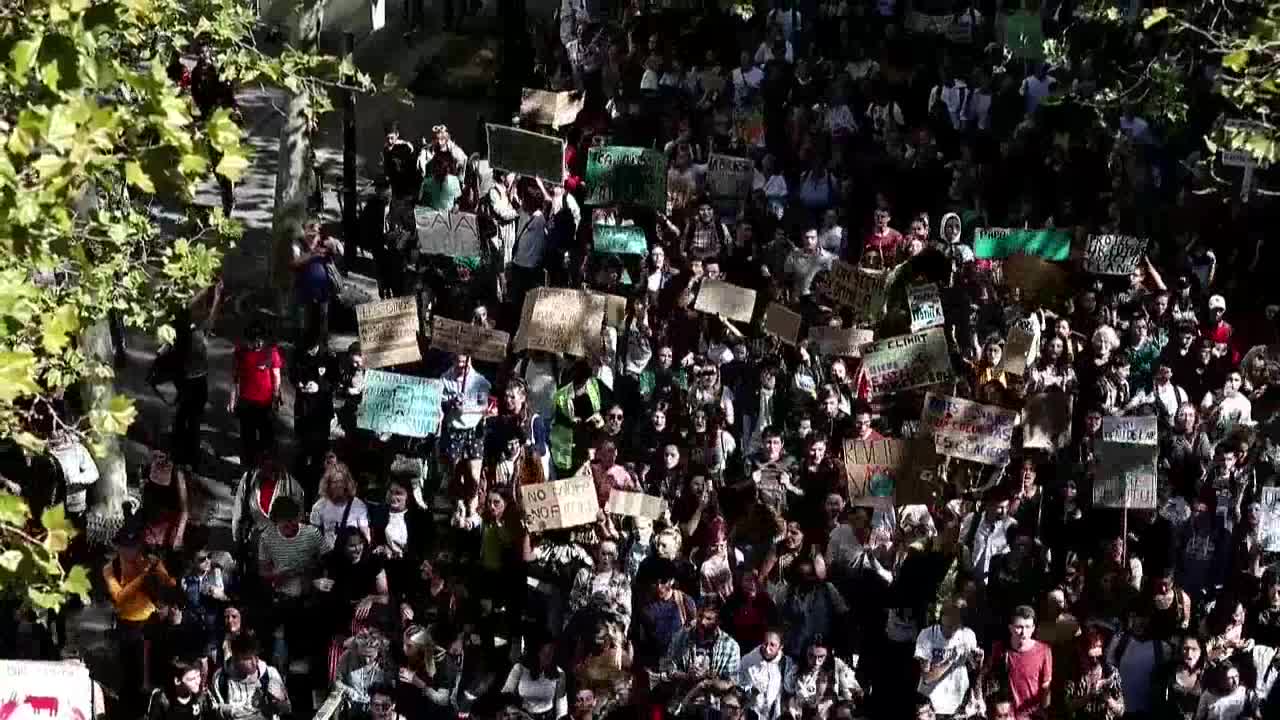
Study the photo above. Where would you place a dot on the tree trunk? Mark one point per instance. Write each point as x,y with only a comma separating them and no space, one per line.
293,176
106,511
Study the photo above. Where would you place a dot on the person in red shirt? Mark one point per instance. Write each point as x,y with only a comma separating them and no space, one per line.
1023,666
884,239
255,394
1219,331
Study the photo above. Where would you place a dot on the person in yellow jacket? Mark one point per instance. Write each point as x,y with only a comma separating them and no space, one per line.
577,415
136,581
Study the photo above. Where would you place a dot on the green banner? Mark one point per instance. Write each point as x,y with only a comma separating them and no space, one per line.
620,239
627,176
994,243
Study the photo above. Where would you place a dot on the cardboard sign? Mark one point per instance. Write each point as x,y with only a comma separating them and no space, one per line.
634,504
403,405
1270,530
989,243
1125,476
907,361
1047,425
479,342
782,323
838,342
858,288
559,320
969,430
389,332
615,308
1114,254
447,233
619,239
1135,430
619,175
718,297
925,304
560,504
1021,347
873,468
46,690
526,153
729,177
543,107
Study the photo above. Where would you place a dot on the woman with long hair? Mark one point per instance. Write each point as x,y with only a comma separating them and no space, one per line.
818,679
338,508
539,682
1052,370
1096,693
606,587
164,503
1184,681
776,566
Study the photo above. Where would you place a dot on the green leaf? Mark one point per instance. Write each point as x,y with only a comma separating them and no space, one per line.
232,165
77,582
17,373
1157,15
135,176
166,334
62,128
10,560
195,165
43,599
54,519
56,541
13,510
117,418
23,55
1236,61
57,330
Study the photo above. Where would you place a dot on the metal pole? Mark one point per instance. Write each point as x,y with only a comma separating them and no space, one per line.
350,197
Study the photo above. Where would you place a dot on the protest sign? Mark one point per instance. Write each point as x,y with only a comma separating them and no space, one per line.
447,233
907,361
1048,421
1114,254
1021,347
857,288
997,243
618,175
559,320
543,107
1024,35
729,177
526,153
634,504
398,404
1135,430
619,239
872,468
477,341
1039,280
718,297
1125,476
969,430
560,504
615,308
1270,530
389,332
926,307
46,690
782,323
836,342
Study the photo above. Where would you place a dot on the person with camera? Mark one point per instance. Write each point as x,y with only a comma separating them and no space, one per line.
246,687
137,582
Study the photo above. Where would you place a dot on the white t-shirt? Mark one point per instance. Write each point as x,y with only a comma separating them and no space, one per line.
397,531
327,516
1034,90
933,647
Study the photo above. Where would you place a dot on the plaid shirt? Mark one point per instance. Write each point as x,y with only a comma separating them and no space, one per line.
721,657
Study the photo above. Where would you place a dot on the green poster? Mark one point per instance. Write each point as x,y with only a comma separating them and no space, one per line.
620,240
994,243
1024,36
627,176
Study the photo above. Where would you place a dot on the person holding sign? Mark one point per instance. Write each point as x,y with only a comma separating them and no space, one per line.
464,401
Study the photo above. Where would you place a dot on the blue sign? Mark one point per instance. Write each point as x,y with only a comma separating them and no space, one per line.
400,404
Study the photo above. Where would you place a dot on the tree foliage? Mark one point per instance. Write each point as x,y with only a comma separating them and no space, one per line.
93,135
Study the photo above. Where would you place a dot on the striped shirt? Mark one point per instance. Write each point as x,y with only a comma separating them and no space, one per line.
293,560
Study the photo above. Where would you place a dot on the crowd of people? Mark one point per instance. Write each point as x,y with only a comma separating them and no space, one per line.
404,572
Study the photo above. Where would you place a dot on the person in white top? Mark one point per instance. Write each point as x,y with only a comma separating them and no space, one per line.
539,682
985,534
955,94
338,506
746,79
1036,87
761,674
945,652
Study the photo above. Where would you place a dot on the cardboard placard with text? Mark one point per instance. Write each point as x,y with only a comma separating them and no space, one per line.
839,342
404,405
857,288
969,430
619,239
1114,254
634,504
543,107
1131,429
1021,347
526,153
891,470
907,361
388,332
925,304
729,177
447,233
627,175
717,297
560,504
481,343
560,320
1125,476
782,323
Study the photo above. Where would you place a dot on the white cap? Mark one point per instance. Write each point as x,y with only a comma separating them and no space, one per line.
1217,301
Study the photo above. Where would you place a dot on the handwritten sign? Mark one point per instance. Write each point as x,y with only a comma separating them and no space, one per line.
729,177
46,690
633,504
969,430
873,468
389,332
447,233
479,342
619,239
543,107
782,323
1270,530
526,153
632,175
1136,430
837,342
1021,347
559,320
857,288
995,243
398,404
1125,476
1114,254
717,297
925,304
1048,421
907,361
560,504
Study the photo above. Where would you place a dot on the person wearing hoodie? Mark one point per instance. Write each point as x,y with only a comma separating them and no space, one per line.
950,245
761,674
246,687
